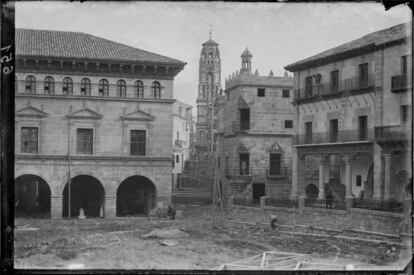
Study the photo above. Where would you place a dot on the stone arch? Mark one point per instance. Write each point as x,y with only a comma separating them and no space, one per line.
78,172
311,191
86,192
135,195
32,196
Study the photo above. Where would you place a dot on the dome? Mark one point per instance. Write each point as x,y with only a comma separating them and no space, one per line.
246,53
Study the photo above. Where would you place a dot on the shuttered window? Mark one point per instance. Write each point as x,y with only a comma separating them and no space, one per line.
84,144
29,140
138,142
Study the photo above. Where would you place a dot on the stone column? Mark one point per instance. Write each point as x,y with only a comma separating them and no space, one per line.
348,181
56,207
298,166
321,179
387,177
378,167
110,207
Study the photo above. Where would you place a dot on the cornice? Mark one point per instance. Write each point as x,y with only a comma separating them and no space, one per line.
90,158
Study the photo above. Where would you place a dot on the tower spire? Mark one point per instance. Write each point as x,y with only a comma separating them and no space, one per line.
211,30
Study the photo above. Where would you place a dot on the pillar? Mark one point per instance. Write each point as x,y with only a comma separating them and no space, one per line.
56,207
378,167
321,195
298,169
348,181
387,176
263,201
110,207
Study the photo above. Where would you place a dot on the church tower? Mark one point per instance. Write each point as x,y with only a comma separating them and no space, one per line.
209,87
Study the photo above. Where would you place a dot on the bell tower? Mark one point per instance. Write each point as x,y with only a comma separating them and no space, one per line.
208,88
246,61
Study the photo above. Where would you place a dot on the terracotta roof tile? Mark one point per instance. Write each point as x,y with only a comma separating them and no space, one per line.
62,44
376,38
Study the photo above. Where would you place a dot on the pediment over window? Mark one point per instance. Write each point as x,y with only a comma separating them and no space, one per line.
276,148
241,149
84,113
242,104
138,115
30,111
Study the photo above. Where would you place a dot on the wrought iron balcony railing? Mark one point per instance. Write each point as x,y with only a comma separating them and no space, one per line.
399,83
327,89
340,137
379,205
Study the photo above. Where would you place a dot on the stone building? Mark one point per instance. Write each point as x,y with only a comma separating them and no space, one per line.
182,138
255,127
354,117
95,113
208,88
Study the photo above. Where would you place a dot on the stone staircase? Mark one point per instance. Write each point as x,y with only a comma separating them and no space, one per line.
338,189
200,195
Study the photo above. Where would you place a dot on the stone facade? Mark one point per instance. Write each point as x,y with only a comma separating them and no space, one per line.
353,107
59,112
182,138
267,130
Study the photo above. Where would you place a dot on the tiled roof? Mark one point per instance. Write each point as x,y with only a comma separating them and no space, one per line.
374,39
62,44
210,42
246,53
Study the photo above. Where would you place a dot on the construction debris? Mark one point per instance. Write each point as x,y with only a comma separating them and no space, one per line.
272,260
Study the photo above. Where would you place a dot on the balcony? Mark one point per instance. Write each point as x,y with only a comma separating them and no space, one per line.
328,90
340,137
399,83
393,133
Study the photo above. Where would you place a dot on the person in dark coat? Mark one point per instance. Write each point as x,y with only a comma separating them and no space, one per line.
329,199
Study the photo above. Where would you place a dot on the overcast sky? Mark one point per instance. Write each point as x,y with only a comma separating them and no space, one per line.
276,33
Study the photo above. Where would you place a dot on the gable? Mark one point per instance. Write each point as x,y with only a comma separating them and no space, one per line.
138,115
31,111
84,113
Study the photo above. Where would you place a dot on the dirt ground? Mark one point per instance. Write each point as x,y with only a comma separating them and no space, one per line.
198,243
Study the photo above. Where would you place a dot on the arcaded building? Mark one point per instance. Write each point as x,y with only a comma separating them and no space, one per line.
354,118
256,124
96,114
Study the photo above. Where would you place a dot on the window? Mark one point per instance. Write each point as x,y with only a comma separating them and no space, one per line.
30,84
405,113
138,142
177,159
335,81
49,85
85,87
103,88
244,164
363,75
180,111
67,86
308,86
362,127
275,164
288,123
218,162
333,130
121,88
173,161
156,89
139,88
285,93
308,132
404,65
358,180
204,92
260,92
29,138
244,119
84,144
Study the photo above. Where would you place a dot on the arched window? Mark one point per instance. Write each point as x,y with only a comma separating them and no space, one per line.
30,84
85,87
156,89
121,88
139,88
49,85
103,89
67,86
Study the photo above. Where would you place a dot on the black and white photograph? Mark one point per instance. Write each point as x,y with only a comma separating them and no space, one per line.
212,136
